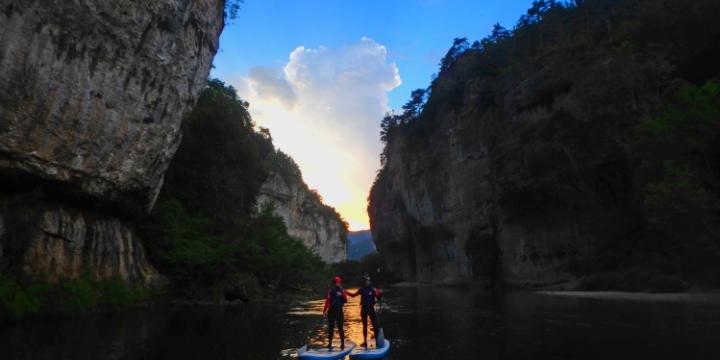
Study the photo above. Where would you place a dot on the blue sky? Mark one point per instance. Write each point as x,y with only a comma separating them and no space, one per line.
417,33
321,74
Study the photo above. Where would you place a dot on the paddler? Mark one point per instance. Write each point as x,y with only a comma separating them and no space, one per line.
336,298
368,295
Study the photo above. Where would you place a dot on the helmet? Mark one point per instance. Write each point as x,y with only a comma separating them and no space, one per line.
337,280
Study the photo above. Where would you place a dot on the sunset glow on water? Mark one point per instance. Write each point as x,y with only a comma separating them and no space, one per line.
353,323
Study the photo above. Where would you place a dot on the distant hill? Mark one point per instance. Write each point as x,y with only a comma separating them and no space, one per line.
360,243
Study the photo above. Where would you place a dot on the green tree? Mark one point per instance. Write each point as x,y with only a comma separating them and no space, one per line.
207,227
220,164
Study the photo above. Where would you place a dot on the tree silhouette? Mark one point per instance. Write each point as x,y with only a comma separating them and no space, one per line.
459,46
387,125
499,33
414,106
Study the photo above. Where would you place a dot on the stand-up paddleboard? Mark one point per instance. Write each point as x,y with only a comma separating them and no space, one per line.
372,351
324,353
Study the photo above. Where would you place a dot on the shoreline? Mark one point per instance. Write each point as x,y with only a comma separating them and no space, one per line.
692,297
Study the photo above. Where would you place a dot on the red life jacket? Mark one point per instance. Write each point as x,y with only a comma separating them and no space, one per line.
335,299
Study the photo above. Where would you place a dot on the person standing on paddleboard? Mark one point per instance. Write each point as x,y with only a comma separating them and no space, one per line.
368,295
336,298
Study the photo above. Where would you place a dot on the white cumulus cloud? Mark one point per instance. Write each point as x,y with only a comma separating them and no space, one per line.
324,108
269,84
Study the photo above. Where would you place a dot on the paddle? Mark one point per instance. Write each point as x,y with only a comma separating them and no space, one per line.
380,338
304,347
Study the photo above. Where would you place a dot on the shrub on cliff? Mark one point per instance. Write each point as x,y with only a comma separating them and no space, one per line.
679,155
17,300
232,7
195,255
220,164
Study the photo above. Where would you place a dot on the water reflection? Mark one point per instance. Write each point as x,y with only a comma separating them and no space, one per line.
353,323
422,323
170,332
460,323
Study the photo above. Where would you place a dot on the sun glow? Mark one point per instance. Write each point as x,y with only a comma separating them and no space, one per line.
326,163
353,321
323,109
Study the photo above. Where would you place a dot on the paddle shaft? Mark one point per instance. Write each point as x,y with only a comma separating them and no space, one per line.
320,322
379,335
379,312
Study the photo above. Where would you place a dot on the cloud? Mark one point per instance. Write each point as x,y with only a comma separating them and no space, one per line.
267,84
324,108
361,66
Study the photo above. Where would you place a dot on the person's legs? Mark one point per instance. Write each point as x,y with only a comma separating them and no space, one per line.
331,324
373,321
341,328
363,317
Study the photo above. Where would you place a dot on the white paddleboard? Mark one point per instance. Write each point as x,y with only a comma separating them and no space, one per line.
372,351
323,353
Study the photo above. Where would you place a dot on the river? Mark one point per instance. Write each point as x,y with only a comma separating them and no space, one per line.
422,322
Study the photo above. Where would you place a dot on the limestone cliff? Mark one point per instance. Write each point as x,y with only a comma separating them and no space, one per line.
306,217
526,166
67,244
92,95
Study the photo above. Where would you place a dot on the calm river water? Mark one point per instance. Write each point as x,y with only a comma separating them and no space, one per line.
422,323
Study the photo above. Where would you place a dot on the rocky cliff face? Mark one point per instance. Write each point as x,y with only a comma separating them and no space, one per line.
429,203
306,217
527,167
67,244
92,95
523,193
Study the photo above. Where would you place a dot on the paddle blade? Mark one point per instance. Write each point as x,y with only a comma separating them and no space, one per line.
380,340
302,349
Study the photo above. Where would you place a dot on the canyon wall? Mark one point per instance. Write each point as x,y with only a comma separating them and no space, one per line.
561,151
318,226
522,194
92,96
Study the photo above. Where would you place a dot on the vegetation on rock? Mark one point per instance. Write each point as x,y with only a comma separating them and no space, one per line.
18,299
207,230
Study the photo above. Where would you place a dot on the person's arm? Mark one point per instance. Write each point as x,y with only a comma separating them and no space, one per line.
327,303
378,293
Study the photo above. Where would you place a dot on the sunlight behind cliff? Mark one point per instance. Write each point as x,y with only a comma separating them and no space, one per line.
323,109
